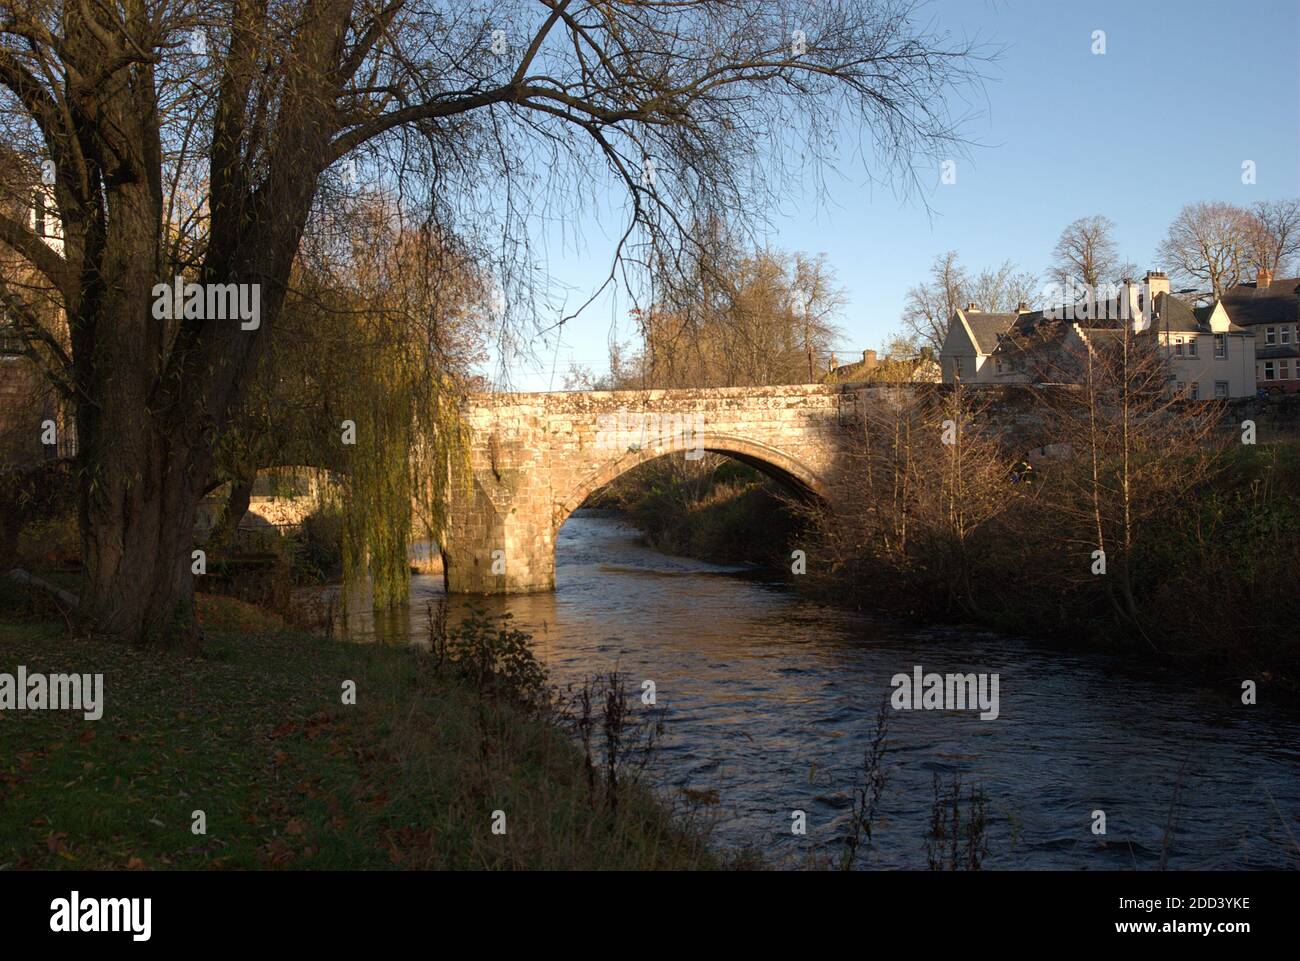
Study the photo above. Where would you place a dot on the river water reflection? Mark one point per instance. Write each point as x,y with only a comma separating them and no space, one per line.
771,700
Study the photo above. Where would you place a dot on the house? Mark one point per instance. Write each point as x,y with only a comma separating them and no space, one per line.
1208,354
28,402
969,349
1270,308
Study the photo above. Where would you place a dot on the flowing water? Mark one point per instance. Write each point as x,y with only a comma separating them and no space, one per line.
771,699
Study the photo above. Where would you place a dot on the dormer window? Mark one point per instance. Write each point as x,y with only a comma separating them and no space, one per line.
1270,336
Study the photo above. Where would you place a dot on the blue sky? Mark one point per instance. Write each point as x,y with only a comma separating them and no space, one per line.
1185,92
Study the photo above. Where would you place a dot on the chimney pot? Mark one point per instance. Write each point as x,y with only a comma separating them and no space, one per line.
971,308
869,358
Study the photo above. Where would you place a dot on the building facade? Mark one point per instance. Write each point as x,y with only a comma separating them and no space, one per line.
1271,310
1208,354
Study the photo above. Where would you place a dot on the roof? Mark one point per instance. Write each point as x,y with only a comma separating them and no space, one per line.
1251,305
1172,314
986,327
1176,315
1277,352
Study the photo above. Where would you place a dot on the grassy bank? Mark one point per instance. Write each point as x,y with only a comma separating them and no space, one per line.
255,734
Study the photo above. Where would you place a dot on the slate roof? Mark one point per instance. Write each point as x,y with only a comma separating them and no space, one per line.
1278,303
986,328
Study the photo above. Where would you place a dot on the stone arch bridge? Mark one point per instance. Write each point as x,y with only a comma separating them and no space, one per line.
535,458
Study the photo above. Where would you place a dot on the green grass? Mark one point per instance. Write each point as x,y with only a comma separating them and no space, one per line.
254,733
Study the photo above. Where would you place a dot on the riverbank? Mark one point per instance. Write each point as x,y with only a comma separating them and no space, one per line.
1213,576
255,734
731,515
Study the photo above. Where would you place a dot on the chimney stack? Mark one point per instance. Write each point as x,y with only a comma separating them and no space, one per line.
1263,278
971,308
869,359
1157,283
1022,307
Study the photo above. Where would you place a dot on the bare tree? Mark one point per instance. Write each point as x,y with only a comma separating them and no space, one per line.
1086,251
1003,289
1273,237
923,481
818,301
930,305
193,139
1209,242
1134,448
741,319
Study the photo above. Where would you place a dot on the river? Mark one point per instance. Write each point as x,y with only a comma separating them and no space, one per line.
770,700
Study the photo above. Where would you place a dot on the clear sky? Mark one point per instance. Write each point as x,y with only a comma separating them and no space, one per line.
1186,91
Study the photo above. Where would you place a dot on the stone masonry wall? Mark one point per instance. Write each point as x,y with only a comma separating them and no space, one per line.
536,457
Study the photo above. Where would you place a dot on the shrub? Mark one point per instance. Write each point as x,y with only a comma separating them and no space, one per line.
492,654
318,545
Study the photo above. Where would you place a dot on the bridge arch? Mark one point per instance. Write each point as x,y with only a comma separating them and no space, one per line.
534,458
787,470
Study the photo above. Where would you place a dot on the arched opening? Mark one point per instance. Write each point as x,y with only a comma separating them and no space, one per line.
786,470
742,508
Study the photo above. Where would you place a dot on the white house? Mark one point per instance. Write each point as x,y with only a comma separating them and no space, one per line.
1209,355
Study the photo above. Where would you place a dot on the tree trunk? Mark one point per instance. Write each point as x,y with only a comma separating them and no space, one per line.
138,531
241,495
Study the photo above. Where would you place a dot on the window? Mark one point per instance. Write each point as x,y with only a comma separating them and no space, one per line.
1220,388
11,342
1282,372
1178,346
38,214
1286,335
1268,370
1196,390
1270,336
1191,346
956,367
1220,346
